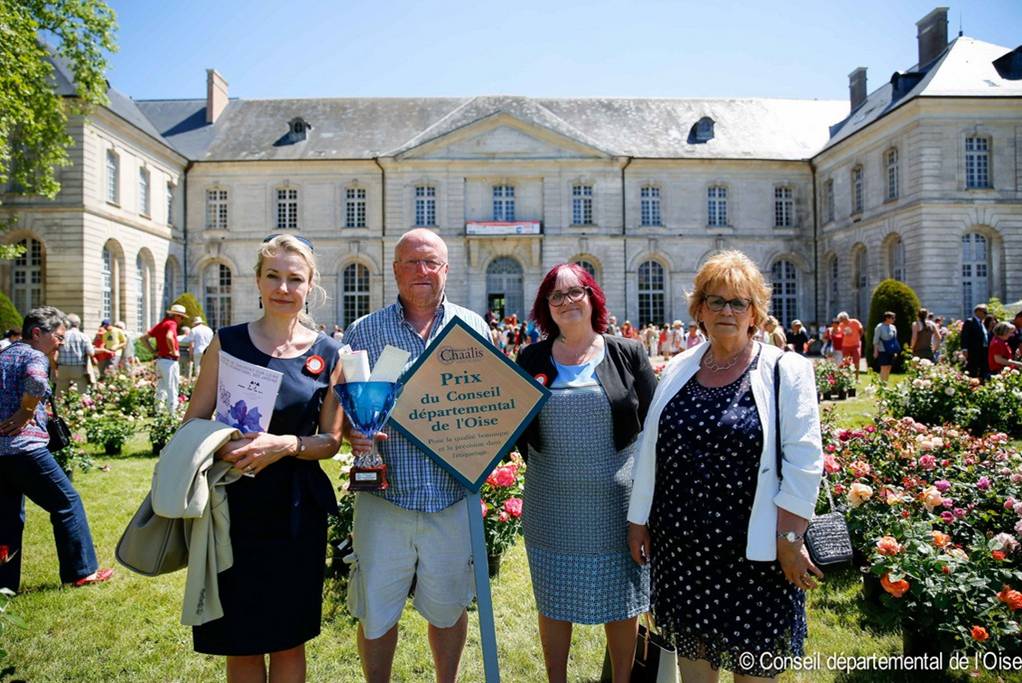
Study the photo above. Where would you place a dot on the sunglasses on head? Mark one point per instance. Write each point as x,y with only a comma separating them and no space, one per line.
301,239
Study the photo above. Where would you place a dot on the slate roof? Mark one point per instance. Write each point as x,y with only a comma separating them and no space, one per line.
964,69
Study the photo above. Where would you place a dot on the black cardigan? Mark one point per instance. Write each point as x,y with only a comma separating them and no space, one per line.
625,374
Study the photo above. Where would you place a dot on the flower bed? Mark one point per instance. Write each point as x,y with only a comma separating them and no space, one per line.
936,511
833,380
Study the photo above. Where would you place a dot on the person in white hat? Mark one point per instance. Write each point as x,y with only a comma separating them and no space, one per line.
164,333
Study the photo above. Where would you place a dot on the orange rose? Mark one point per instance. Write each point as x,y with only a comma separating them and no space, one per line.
1012,598
979,634
940,539
888,546
997,555
896,588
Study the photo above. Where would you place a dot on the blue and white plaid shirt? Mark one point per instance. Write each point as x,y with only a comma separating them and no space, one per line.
75,349
416,482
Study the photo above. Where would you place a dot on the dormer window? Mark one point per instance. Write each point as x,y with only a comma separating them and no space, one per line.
702,131
298,129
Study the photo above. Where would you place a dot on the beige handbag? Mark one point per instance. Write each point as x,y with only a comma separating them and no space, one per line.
153,545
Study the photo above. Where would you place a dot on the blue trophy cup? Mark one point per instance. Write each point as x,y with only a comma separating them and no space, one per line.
367,405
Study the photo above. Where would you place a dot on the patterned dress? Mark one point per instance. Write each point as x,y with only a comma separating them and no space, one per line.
709,600
575,510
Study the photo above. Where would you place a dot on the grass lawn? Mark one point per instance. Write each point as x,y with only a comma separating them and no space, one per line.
129,628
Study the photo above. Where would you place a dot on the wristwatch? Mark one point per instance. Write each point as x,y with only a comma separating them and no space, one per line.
790,536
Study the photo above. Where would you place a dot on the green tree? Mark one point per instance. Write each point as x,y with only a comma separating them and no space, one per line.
895,296
33,116
193,307
9,316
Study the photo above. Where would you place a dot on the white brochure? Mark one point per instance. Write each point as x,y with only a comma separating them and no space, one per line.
246,394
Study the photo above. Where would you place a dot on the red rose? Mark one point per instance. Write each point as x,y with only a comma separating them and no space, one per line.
513,506
979,634
997,555
1012,598
896,588
5,554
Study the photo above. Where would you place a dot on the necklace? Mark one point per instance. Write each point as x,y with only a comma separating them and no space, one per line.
713,366
580,358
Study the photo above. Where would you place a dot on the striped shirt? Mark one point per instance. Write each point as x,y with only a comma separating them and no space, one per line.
23,370
75,349
416,482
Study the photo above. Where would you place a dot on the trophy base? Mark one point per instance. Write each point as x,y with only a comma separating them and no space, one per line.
368,478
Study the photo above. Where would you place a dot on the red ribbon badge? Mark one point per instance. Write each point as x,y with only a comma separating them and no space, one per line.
542,379
315,365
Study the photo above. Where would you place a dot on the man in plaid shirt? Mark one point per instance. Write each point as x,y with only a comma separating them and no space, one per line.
417,528
73,357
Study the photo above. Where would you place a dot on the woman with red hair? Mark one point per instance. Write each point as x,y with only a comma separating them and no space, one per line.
580,450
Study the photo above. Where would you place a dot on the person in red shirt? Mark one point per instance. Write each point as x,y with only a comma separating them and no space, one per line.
164,333
851,342
999,354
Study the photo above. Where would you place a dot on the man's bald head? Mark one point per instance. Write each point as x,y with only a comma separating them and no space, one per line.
420,237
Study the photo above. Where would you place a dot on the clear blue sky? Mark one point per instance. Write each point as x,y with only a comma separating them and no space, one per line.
372,48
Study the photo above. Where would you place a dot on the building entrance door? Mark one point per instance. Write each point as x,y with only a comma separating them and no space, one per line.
495,302
504,285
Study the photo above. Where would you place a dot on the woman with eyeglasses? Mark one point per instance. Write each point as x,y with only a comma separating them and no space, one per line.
27,468
580,452
272,595
720,526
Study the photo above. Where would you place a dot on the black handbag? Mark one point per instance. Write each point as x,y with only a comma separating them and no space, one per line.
60,435
656,660
827,538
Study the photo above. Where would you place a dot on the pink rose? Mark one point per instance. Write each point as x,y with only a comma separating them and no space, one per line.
1009,504
504,517
485,508
831,465
948,517
927,462
859,468
502,477
942,485
513,506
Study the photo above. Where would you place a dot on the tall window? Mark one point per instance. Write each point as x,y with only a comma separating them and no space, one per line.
828,200
141,300
651,293
216,209
891,164
107,284
975,272
649,206
716,206
784,207
784,281
857,189
113,177
425,205
218,295
287,208
503,202
860,283
27,277
144,204
587,267
582,205
170,203
832,286
354,293
355,207
896,254
169,282
977,162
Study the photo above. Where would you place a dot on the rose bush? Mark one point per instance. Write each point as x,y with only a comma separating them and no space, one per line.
501,505
833,378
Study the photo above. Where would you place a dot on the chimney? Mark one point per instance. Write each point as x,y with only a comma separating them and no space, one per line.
216,95
857,87
932,35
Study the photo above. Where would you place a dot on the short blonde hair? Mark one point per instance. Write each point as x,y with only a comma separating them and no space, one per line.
735,271
293,245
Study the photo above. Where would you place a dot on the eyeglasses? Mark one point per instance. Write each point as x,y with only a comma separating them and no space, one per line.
573,295
717,303
429,265
58,337
301,239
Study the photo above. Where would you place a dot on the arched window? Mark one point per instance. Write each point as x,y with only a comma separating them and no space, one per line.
587,266
27,276
975,272
651,294
860,283
107,285
217,280
896,255
504,289
784,301
354,293
832,287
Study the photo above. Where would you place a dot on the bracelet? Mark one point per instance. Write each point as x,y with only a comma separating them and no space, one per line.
301,446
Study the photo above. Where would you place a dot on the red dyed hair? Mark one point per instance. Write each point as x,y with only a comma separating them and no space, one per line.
541,307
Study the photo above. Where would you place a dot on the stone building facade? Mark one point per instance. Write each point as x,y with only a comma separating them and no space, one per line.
918,180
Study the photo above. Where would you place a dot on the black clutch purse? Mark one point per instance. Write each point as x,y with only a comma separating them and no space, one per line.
827,538
60,435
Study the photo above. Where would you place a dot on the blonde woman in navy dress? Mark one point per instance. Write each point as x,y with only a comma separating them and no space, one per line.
272,596
723,534
581,449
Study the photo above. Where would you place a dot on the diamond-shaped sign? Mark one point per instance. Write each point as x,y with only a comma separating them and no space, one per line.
464,403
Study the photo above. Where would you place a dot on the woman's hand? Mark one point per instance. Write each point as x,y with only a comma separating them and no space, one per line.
255,451
639,543
362,444
795,562
16,422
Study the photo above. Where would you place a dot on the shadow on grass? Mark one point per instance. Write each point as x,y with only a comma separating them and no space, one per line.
841,594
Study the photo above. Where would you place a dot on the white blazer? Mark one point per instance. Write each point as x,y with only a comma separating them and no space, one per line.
800,440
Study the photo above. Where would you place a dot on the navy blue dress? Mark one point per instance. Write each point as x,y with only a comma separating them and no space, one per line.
273,594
